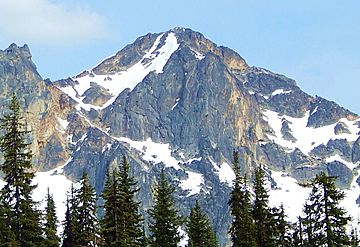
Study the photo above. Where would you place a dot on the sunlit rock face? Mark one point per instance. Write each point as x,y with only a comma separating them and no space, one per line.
177,102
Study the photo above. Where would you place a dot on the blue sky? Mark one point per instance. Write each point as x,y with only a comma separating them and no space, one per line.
317,43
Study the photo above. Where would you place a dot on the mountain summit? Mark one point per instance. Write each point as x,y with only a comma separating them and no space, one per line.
177,102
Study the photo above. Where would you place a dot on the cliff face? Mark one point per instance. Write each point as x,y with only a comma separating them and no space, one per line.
175,100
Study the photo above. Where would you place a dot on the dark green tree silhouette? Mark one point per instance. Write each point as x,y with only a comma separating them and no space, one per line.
242,229
199,229
122,222
71,222
263,218
325,221
86,212
22,215
165,219
51,221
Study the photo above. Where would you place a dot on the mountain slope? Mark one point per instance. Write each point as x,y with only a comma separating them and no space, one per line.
179,101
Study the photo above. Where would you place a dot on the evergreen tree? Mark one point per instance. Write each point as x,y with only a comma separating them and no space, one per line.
282,227
86,228
122,222
50,226
71,226
263,218
199,229
298,233
354,238
110,224
165,221
242,229
22,217
325,220
7,237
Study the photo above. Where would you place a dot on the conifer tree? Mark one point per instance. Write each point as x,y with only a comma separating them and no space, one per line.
71,226
50,226
110,224
22,215
7,237
122,222
86,212
282,227
242,229
354,239
298,234
263,218
325,220
199,229
165,219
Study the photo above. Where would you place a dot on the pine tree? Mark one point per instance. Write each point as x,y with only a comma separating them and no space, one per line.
354,238
71,227
199,229
242,229
282,227
264,228
7,237
122,222
50,226
87,228
298,233
325,220
165,220
23,217
110,224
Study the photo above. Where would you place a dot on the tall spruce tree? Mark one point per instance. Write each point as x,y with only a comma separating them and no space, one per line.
70,223
199,229
298,233
325,220
263,218
7,237
86,212
242,229
122,222
282,228
22,215
51,221
165,220
110,223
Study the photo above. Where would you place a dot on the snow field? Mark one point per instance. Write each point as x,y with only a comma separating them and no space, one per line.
116,83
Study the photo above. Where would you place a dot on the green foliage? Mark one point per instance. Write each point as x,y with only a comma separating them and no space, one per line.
282,227
86,214
122,223
165,220
199,229
50,226
71,227
21,214
242,229
263,218
325,221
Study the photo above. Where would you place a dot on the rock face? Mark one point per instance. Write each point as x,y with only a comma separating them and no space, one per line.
177,101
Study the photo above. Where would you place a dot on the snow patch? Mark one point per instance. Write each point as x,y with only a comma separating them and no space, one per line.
106,147
198,55
153,152
192,183
289,193
63,123
280,91
225,172
337,157
307,137
154,60
176,103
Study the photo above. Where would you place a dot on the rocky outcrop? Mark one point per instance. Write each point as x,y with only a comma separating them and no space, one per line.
185,118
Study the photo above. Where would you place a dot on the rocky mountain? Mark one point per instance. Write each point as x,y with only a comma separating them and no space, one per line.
177,101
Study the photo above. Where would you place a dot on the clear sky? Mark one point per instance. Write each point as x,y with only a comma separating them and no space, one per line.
315,42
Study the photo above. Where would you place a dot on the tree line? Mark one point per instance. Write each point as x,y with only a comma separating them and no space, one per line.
254,222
